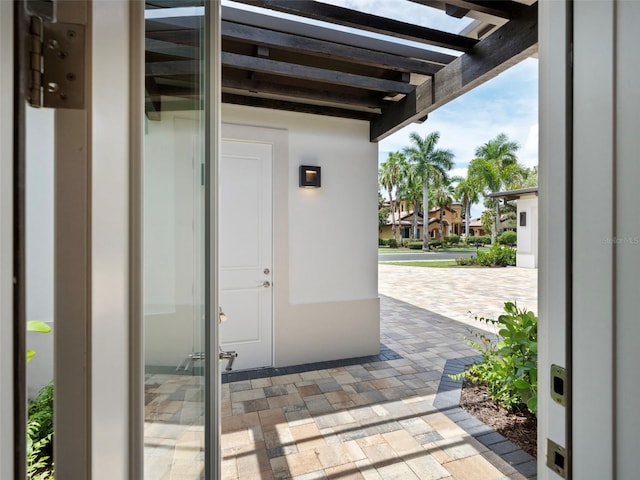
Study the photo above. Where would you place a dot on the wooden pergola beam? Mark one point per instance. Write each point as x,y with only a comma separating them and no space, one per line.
365,21
296,107
314,74
496,8
267,87
512,43
324,49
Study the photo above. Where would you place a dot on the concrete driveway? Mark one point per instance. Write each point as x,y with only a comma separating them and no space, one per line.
461,293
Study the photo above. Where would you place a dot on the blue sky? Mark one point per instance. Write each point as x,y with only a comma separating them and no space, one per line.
508,103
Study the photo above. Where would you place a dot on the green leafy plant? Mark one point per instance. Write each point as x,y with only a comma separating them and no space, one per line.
40,435
452,239
508,238
39,465
498,256
482,240
36,326
509,366
466,261
393,243
415,245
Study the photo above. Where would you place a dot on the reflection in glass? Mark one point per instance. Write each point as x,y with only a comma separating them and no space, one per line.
174,257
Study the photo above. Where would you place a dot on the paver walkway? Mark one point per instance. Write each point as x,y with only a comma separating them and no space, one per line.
368,419
461,293
374,420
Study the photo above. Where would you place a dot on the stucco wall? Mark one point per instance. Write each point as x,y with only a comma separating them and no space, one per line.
325,291
527,255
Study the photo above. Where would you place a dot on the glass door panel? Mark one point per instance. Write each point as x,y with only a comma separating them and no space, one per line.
174,246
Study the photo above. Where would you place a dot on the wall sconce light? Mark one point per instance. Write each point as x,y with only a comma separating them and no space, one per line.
309,176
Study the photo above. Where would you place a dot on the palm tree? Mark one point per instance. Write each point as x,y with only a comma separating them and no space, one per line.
495,166
411,193
390,177
442,198
467,191
431,164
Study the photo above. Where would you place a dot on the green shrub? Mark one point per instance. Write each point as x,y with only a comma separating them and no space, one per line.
452,239
508,238
509,367
498,256
39,462
435,243
382,242
40,433
482,240
464,261
393,243
415,245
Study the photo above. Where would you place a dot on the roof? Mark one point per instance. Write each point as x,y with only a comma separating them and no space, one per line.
515,194
313,57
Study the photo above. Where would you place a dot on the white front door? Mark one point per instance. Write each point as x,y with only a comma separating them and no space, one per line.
245,255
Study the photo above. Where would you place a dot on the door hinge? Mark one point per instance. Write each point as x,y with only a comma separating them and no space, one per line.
56,65
557,458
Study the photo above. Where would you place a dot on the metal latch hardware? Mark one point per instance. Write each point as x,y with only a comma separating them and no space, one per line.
556,458
56,64
559,385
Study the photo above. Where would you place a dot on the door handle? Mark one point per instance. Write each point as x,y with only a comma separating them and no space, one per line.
229,356
266,284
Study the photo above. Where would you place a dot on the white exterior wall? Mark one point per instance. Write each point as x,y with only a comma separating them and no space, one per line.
527,254
325,284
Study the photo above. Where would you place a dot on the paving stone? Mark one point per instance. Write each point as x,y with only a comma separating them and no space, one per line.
375,418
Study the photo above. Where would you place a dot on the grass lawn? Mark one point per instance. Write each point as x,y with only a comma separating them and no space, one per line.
456,249
431,263
425,263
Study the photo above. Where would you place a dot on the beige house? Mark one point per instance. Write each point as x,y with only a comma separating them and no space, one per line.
452,223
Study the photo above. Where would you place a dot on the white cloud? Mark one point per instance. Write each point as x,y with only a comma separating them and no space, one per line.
507,103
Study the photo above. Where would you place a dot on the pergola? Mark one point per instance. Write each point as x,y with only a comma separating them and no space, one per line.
303,58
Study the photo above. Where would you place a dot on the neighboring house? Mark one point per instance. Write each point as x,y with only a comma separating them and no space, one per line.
406,225
452,223
527,224
475,228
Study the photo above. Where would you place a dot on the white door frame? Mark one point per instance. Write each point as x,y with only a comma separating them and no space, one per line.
7,447
554,209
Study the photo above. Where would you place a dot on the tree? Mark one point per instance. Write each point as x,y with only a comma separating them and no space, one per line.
467,191
495,166
390,177
383,212
411,193
442,198
430,164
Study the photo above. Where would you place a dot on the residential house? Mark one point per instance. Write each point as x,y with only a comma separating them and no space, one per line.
451,223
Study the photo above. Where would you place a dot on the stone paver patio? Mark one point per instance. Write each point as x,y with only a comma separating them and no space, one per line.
377,418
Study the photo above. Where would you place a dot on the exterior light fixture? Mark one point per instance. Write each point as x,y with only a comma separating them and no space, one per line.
309,176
